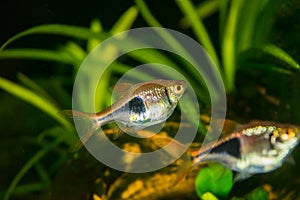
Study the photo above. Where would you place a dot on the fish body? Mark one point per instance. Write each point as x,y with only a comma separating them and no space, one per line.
140,105
254,148
257,148
144,104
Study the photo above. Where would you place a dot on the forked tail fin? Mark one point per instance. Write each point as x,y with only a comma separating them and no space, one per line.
93,124
175,148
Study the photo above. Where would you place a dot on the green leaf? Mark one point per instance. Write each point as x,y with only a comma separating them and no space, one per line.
215,179
257,194
268,58
121,69
28,188
96,27
280,54
73,50
266,17
246,24
28,165
204,9
229,44
58,29
38,54
264,67
208,196
34,86
198,27
34,99
126,21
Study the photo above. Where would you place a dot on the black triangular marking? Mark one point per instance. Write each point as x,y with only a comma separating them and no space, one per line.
231,147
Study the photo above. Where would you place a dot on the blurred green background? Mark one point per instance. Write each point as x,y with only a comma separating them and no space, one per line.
254,44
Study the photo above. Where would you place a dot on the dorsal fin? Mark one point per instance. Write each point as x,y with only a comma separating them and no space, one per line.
121,89
229,126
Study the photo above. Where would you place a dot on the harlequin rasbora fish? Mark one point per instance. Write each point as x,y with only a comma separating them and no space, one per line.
254,148
140,106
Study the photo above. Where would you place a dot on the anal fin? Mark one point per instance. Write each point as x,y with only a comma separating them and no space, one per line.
241,176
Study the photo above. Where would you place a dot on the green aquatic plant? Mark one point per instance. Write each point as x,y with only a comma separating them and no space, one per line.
256,194
32,93
215,179
242,45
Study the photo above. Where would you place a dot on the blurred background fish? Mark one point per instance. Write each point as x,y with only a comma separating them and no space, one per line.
254,148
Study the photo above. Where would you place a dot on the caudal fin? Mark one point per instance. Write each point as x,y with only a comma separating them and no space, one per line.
91,124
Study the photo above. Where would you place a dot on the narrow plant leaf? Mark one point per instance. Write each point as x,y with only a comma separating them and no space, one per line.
58,29
147,14
29,164
96,27
28,188
165,35
246,24
266,18
75,51
264,67
200,31
34,86
38,54
121,69
204,10
126,21
34,99
150,19
280,54
41,171
224,8
110,51
229,44
100,98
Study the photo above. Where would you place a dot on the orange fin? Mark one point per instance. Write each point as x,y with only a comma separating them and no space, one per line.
228,126
175,148
185,166
121,89
117,131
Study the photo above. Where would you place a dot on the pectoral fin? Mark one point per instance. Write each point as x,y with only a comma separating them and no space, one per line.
291,160
117,131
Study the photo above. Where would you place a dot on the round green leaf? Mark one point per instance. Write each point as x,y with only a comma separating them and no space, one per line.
215,179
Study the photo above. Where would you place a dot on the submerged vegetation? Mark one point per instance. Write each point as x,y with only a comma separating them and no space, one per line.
256,55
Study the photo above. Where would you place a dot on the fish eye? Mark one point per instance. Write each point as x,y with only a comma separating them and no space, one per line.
287,134
178,89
